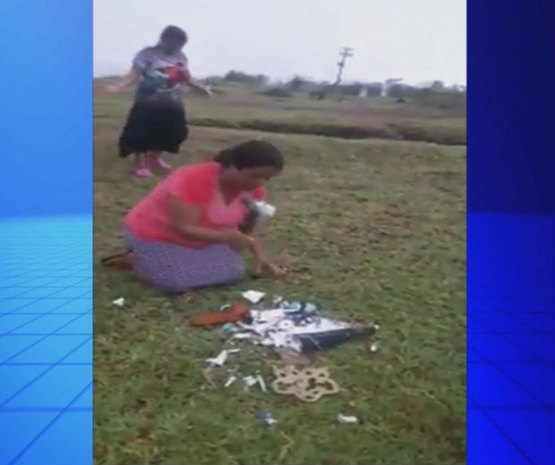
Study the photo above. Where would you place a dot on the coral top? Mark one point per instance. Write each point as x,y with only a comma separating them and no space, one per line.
195,185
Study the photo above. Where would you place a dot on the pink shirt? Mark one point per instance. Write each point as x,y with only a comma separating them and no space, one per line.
195,185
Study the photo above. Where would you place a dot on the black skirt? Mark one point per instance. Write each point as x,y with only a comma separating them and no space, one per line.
153,127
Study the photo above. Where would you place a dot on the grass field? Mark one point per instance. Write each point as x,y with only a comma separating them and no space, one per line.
374,229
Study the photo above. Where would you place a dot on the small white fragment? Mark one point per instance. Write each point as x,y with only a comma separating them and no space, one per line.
250,380
219,360
374,347
268,419
262,383
347,419
119,302
230,381
253,297
242,336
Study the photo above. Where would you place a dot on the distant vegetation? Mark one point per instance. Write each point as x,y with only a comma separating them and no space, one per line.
435,94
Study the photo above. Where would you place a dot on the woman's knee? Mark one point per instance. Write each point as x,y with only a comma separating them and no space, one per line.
236,272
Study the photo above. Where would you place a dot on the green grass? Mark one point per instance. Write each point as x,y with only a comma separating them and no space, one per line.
373,229
350,119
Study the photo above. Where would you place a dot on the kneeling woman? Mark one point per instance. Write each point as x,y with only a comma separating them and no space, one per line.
187,234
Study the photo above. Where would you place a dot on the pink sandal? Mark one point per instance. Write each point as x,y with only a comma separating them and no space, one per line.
143,173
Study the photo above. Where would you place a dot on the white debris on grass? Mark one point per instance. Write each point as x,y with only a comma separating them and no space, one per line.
230,381
250,380
277,327
221,358
347,419
120,302
254,297
261,383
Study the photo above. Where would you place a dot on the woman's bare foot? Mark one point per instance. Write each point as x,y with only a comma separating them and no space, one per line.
122,261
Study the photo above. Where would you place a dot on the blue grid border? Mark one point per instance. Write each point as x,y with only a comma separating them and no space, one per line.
45,304
46,373
511,233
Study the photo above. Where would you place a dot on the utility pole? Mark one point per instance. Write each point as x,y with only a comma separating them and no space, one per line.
346,52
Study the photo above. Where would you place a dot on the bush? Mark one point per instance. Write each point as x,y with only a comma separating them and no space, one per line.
276,92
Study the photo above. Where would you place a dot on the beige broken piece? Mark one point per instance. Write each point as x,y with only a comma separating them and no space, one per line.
308,384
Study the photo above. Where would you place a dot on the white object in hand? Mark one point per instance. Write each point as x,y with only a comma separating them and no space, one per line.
265,209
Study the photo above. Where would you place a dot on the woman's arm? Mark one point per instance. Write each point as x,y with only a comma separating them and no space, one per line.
131,78
197,85
185,218
261,262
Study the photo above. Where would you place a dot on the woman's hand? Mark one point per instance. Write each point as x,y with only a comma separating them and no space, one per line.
131,78
262,265
204,89
113,87
208,91
237,240
269,268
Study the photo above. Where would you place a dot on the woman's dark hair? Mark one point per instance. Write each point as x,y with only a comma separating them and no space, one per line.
251,154
174,33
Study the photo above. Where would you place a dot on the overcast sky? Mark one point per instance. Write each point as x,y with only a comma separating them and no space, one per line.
417,40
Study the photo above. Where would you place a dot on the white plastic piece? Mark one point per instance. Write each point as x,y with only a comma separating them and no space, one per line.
262,383
221,358
230,381
250,381
253,297
347,419
119,302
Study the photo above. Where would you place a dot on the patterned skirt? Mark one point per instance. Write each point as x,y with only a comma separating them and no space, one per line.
175,269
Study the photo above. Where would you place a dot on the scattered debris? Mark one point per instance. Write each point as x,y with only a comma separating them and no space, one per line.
266,418
254,297
234,313
221,358
298,326
229,328
347,419
119,302
230,381
250,381
261,383
292,329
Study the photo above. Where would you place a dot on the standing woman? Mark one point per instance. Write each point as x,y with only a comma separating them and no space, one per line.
157,121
